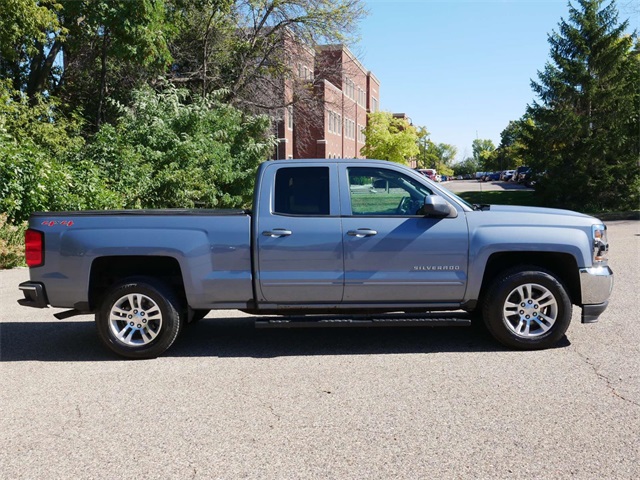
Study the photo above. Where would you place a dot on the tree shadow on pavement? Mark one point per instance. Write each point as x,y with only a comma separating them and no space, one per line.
68,341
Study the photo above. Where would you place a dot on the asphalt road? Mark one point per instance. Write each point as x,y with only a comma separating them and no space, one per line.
228,401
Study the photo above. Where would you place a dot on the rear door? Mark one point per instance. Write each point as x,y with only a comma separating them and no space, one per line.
299,234
392,253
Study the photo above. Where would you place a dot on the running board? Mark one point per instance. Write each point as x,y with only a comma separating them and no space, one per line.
441,319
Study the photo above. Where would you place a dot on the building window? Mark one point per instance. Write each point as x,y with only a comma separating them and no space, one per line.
349,88
339,123
361,137
362,97
290,117
349,128
374,104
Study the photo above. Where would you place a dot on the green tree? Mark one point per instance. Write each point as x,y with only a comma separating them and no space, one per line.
31,37
444,154
468,166
111,48
389,138
434,155
483,153
176,149
39,169
512,151
239,46
585,131
84,51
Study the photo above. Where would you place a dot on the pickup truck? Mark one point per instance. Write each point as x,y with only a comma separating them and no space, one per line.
371,241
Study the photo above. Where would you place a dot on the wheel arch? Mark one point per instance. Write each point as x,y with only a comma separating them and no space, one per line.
562,265
109,270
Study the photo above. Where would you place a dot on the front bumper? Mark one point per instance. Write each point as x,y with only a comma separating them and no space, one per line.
34,295
596,284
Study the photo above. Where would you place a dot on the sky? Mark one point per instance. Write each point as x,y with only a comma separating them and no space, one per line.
460,68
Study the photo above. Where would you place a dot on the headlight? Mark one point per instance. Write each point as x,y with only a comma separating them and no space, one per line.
600,244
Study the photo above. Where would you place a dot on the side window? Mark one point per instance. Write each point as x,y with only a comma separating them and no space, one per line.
302,191
378,191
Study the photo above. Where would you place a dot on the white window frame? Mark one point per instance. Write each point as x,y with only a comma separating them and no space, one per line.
290,117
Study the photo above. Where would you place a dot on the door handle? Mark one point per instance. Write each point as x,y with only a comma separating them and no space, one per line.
362,232
277,232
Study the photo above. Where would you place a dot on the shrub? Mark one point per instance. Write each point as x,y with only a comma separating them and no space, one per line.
11,243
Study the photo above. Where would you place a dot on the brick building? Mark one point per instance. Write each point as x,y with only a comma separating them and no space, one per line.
344,92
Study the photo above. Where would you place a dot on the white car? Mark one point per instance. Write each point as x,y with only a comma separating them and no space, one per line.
506,175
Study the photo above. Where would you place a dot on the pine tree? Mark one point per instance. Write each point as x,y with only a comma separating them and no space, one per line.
585,134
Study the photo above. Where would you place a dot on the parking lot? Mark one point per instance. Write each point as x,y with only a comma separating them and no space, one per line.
228,401
457,186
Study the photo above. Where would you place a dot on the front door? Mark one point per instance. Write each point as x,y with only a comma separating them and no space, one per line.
392,254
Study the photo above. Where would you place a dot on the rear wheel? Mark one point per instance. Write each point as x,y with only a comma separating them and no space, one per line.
527,308
139,318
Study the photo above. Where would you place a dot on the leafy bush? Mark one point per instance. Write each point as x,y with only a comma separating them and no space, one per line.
11,243
173,149
41,168
169,149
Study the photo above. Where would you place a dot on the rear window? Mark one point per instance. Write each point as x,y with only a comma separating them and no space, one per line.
302,191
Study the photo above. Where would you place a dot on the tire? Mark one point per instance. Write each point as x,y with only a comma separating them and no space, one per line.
198,315
527,309
139,318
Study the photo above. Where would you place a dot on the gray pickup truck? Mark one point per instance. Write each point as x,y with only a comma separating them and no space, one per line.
328,242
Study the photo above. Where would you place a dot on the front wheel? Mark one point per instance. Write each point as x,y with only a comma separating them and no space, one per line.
527,308
139,318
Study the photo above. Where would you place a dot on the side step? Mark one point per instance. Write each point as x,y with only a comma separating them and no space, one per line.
438,319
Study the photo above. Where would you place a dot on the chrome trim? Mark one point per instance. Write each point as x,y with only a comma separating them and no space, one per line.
24,287
596,284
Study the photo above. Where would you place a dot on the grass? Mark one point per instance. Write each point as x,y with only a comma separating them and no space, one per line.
524,198
382,204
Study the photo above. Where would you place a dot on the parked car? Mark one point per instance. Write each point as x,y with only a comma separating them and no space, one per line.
506,175
529,178
429,173
524,175
517,172
492,177
480,175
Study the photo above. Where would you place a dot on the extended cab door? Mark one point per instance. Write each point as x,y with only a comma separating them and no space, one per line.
392,253
298,234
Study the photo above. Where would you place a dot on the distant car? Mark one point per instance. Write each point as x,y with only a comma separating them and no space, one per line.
529,178
506,175
480,175
492,177
517,172
524,175
428,172
437,177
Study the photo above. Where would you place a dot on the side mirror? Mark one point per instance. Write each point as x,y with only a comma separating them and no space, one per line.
436,206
